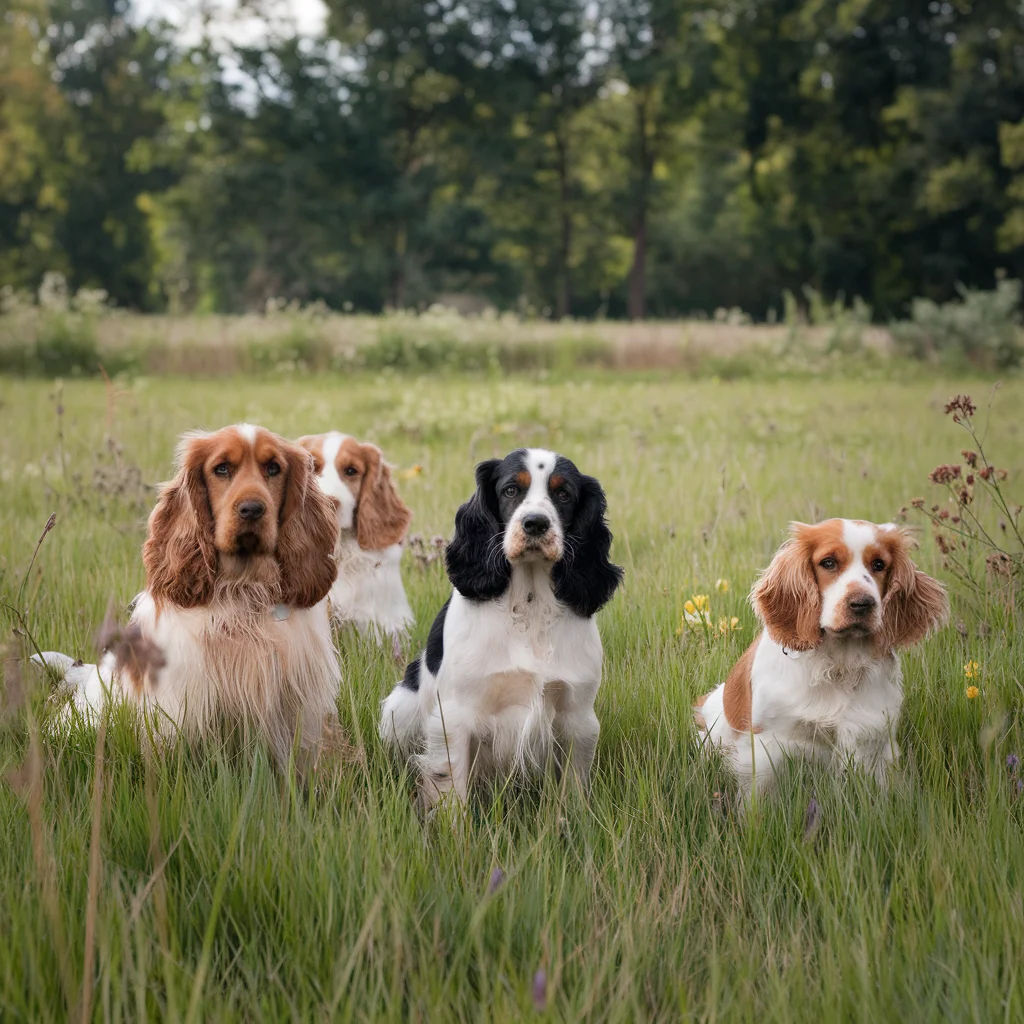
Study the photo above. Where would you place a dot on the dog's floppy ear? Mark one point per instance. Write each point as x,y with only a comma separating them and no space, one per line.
914,604
584,577
381,516
787,597
179,553
308,529
475,557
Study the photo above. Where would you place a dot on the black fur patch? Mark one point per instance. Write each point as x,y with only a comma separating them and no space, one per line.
584,577
475,559
411,679
435,641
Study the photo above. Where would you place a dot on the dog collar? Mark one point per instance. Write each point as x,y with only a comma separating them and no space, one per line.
280,612
790,653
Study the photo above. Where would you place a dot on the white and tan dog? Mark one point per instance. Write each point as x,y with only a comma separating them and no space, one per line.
232,626
372,523
823,680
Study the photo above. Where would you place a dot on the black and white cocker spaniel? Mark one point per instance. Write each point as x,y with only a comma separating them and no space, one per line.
513,660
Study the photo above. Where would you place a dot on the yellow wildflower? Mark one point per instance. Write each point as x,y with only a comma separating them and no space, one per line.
728,625
695,610
972,670
408,474
722,586
972,692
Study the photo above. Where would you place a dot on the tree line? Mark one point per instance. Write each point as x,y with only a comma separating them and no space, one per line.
558,157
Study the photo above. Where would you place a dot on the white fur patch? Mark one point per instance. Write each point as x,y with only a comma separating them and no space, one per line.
516,684
332,484
230,660
540,464
838,703
857,537
368,591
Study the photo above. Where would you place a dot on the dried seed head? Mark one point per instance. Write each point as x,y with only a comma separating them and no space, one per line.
811,818
135,654
960,405
944,474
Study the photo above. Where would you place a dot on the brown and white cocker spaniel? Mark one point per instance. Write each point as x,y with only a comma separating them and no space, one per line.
372,521
822,681
233,623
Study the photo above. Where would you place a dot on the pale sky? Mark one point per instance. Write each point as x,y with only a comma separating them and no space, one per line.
229,22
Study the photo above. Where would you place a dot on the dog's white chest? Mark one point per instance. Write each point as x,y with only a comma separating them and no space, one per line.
535,617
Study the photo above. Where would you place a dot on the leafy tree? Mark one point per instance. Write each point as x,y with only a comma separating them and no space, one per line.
34,124
113,77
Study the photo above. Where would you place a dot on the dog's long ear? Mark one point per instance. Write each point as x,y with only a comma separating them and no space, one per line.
179,553
381,516
585,577
914,604
475,558
787,597
307,532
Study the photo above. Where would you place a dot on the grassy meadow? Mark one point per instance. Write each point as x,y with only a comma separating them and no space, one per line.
199,886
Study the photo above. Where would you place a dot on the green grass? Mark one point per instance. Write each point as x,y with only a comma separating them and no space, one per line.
228,892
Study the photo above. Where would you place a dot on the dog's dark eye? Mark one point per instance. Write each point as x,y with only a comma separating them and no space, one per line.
351,471
563,496
877,565
511,491
221,469
273,468
828,563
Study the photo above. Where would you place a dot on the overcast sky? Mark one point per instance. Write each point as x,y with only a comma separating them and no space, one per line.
306,15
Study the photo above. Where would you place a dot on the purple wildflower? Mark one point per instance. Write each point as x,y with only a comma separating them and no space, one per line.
811,818
497,878
540,990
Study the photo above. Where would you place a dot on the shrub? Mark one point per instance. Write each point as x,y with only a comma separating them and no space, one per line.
981,331
419,350
300,346
55,334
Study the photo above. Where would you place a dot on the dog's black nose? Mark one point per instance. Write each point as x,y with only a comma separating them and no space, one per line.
251,510
862,604
536,525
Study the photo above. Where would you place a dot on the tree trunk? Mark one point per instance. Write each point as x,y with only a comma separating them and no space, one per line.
563,302
398,274
645,165
563,305
638,271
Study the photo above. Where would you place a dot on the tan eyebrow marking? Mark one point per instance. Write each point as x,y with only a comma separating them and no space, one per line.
523,479
556,481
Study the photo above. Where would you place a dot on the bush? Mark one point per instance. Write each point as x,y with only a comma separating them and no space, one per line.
300,347
419,351
982,331
54,335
